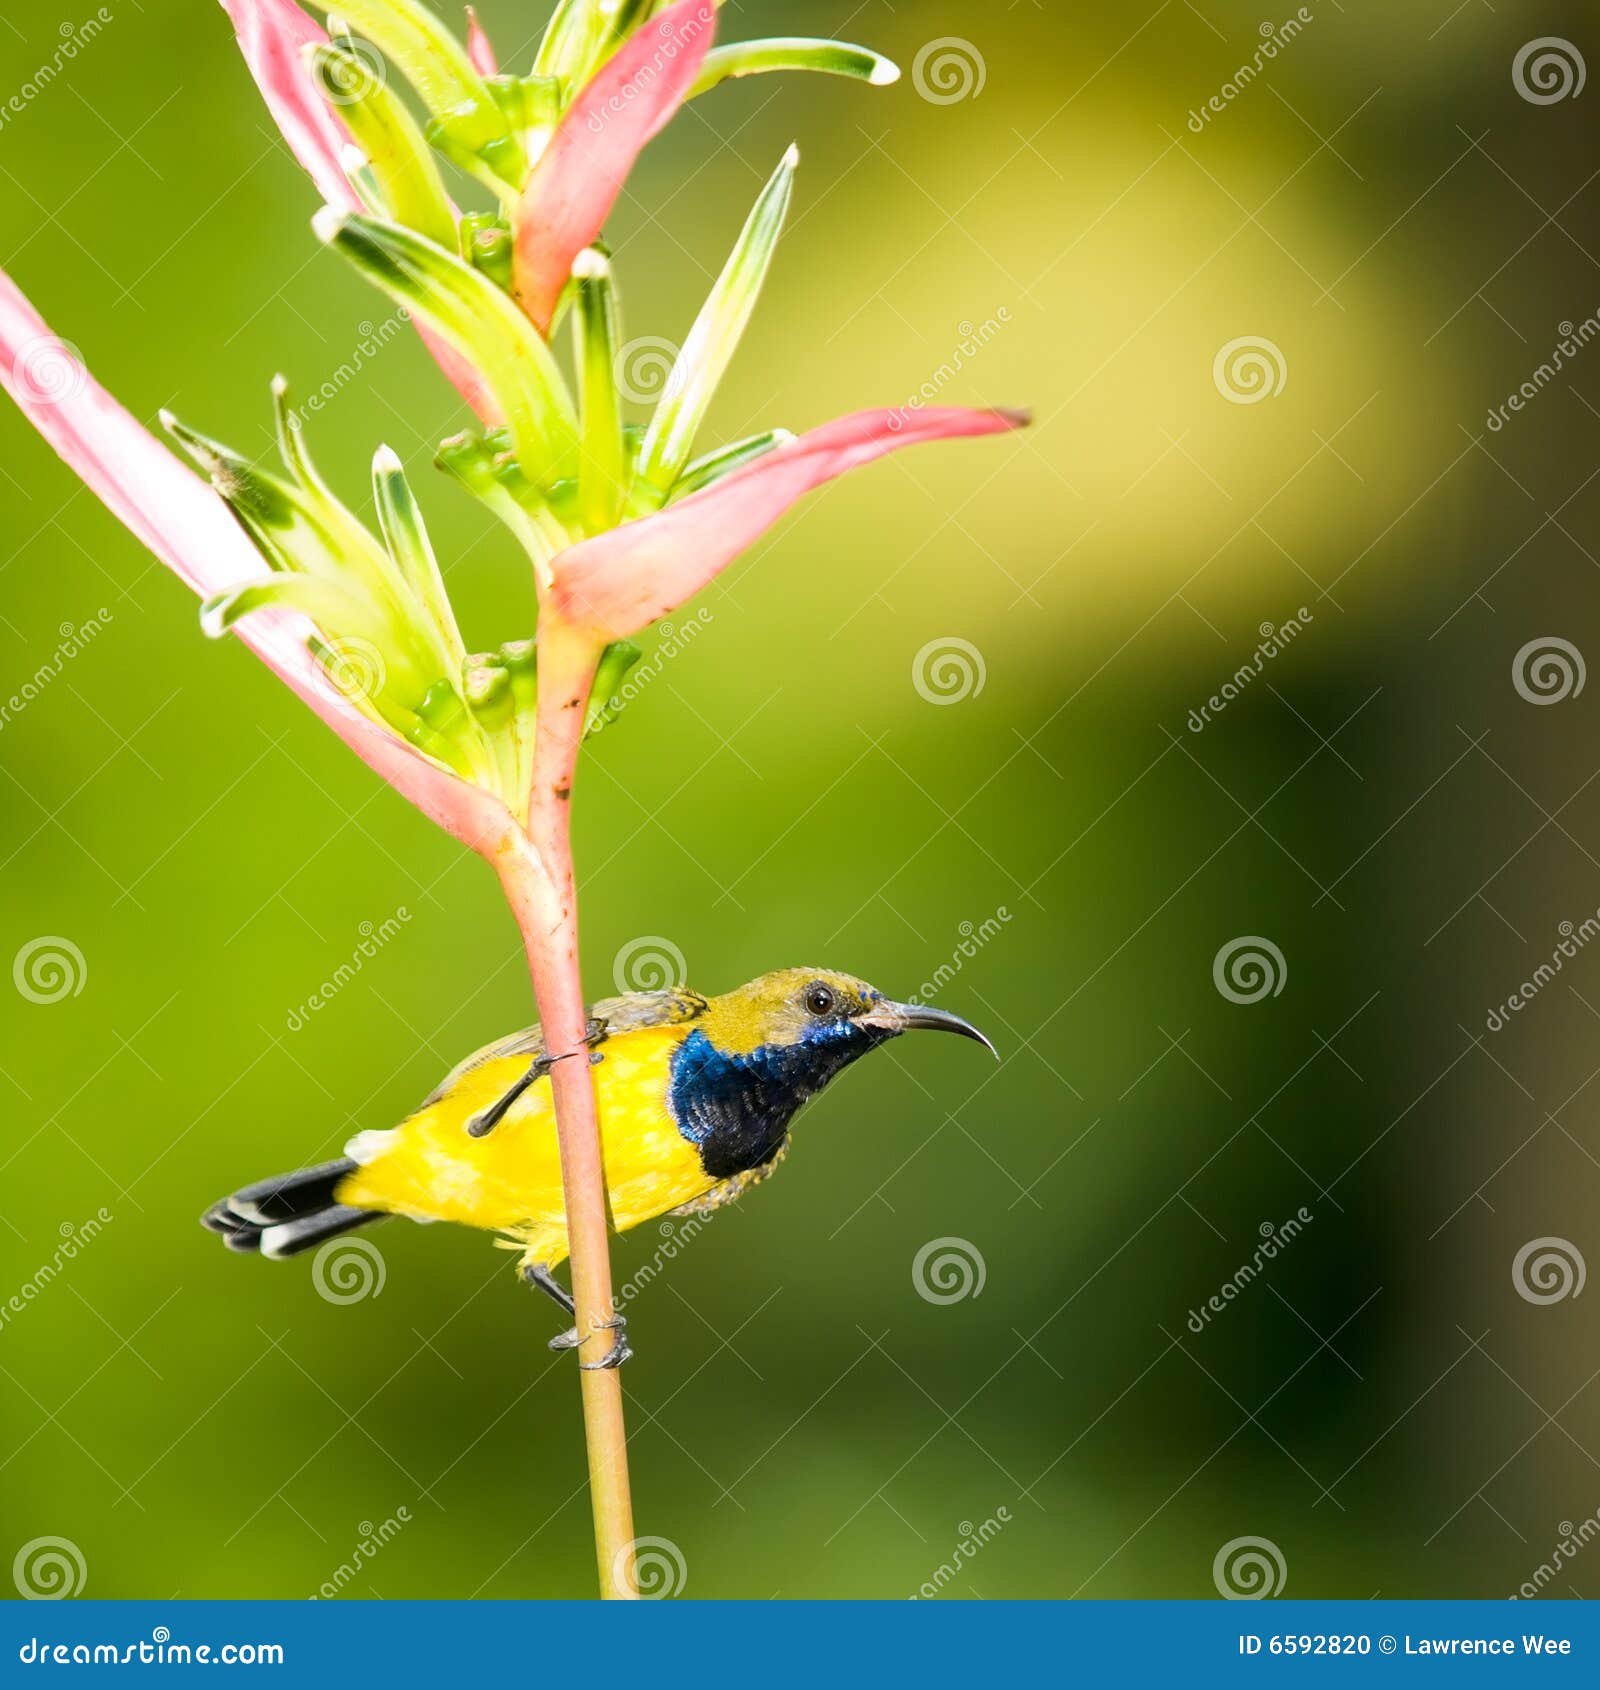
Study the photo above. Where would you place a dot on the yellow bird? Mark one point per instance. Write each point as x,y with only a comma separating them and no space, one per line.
694,1096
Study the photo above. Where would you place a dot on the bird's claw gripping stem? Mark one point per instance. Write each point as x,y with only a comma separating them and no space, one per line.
619,1351
486,1120
540,1278
614,1357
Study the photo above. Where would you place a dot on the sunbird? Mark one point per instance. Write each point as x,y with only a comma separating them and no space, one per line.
694,1095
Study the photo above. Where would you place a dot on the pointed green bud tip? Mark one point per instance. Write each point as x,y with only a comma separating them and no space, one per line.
885,73
212,623
791,158
591,265
327,224
488,694
386,461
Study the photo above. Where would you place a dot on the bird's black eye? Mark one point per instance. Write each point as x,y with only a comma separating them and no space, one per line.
819,1000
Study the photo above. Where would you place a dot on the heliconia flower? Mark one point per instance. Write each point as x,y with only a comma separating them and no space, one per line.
275,37
618,583
190,529
554,147
573,187
620,523
479,49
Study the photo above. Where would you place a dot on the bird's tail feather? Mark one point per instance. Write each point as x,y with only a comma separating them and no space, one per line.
286,1214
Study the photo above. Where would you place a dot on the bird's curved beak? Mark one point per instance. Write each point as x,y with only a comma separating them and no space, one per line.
904,1017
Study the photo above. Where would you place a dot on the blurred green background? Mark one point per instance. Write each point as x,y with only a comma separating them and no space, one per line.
1409,233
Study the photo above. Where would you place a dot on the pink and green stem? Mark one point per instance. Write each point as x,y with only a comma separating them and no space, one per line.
536,871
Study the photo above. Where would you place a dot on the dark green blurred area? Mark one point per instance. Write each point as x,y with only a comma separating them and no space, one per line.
1381,1405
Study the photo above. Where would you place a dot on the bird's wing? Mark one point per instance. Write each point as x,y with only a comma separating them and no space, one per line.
612,1016
730,1190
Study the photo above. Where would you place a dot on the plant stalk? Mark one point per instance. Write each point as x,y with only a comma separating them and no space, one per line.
536,872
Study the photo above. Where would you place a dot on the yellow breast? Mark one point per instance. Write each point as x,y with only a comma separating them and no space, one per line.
510,1181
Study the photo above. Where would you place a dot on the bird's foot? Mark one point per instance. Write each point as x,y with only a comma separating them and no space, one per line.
568,1340
619,1351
